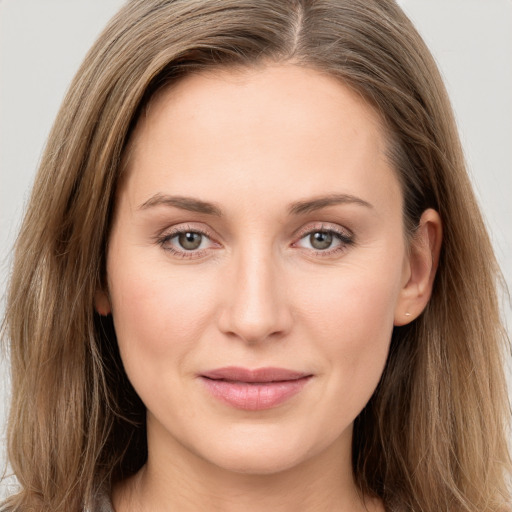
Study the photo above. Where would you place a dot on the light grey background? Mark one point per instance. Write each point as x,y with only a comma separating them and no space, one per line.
42,43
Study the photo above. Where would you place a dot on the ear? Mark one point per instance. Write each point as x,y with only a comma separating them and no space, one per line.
420,268
102,303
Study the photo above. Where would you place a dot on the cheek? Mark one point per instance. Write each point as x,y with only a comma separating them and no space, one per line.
359,331
353,300
351,318
158,316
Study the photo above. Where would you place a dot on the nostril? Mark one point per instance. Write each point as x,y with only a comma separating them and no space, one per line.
253,326
255,306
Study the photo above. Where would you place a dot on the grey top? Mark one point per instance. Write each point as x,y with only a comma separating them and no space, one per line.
102,502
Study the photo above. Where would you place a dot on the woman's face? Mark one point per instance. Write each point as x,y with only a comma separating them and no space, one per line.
256,266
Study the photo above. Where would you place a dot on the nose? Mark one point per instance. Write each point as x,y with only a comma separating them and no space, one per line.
255,306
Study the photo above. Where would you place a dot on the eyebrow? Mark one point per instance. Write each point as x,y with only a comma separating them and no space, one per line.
303,207
297,208
184,203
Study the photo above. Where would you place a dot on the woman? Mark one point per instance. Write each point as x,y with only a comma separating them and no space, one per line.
248,276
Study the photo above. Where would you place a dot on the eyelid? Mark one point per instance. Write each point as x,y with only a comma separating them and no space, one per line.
344,236
324,226
169,233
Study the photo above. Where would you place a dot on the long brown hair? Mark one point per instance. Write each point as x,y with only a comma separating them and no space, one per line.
433,436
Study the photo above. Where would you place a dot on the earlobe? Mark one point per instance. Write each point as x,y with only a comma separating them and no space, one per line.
102,303
422,263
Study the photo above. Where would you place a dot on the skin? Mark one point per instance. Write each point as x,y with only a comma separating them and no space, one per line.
257,145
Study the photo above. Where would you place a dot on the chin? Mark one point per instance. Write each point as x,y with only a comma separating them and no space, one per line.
258,462
263,451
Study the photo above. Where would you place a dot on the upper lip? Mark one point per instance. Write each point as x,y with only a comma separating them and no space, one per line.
238,374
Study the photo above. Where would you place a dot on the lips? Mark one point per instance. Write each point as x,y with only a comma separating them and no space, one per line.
254,390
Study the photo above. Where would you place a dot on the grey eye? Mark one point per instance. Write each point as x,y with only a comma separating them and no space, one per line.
190,240
320,240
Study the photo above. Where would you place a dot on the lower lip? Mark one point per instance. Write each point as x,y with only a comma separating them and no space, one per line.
254,396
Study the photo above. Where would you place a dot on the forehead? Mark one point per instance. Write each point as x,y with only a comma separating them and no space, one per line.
293,93
249,128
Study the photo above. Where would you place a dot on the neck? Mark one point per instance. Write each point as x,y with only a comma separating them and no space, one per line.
180,480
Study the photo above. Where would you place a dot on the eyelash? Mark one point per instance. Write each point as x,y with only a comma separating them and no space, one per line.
345,239
164,240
